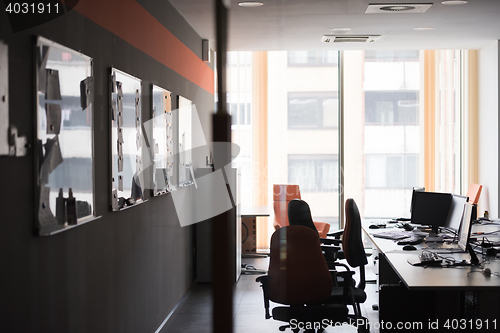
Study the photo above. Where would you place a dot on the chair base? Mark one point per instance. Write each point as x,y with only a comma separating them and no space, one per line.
312,318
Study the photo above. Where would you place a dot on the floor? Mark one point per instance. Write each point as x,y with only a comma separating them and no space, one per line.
194,311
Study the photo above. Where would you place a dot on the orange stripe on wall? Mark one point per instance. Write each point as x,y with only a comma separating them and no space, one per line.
134,24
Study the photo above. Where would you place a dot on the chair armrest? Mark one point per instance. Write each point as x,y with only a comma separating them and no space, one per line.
264,283
330,248
330,241
347,269
336,234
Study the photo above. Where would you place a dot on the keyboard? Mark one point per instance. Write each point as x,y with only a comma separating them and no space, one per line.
412,240
430,258
394,235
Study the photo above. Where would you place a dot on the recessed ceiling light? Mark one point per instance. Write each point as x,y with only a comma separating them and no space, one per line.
397,8
340,29
454,2
423,29
250,4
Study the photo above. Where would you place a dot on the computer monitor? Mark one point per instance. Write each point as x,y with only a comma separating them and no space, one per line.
430,208
465,226
464,233
455,212
415,189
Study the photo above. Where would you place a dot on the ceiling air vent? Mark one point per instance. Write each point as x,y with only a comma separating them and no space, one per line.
332,39
395,8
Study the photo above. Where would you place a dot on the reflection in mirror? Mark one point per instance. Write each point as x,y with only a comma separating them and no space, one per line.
186,175
64,133
163,144
127,140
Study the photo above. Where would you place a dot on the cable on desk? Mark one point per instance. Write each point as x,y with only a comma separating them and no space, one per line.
485,233
486,271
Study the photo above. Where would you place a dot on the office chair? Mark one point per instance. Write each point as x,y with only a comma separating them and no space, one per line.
354,252
299,213
352,245
282,194
473,194
300,281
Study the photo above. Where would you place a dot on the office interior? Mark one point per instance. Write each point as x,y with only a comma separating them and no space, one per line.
127,271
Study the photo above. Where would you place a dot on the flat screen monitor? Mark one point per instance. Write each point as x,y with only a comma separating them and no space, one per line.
415,189
465,226
455,212
430,208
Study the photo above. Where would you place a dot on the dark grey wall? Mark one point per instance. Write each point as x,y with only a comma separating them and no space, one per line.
126,271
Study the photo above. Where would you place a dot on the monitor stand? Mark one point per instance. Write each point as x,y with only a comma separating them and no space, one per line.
434,235
473,257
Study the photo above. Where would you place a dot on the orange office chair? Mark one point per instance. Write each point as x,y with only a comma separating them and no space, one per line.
473,194
282,194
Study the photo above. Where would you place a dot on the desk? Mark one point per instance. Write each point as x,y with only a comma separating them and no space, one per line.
411,294
249,216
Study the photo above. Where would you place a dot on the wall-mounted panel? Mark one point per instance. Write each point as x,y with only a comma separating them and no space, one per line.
162,141
127,140
65,159
185,142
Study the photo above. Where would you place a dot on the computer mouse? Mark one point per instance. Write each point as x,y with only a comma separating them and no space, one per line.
408,227
409,248
373,226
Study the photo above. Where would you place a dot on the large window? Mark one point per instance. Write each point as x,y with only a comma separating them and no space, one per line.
313,173
402,120
312,110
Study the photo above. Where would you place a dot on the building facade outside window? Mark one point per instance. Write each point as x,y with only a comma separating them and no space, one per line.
314,173
312,110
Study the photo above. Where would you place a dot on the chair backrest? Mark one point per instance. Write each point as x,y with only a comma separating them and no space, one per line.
352,242
474,192
298,270
299,213
282,194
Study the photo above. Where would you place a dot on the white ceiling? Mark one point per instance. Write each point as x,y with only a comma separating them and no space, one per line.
299,24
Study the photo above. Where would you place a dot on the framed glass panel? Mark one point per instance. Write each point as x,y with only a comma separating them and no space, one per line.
186,175
127,140
163,144
65,174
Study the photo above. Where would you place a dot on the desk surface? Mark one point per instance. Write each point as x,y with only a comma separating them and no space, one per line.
251,211
415,277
